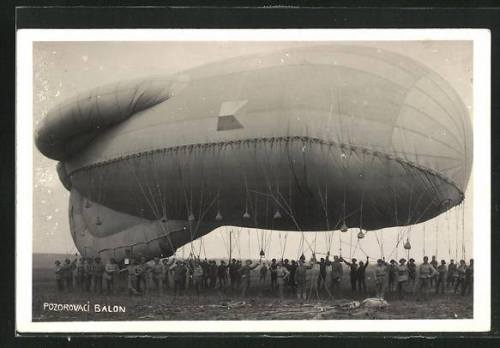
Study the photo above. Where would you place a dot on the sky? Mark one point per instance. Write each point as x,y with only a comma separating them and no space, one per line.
63,69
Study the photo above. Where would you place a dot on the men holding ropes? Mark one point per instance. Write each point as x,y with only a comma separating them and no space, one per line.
92,272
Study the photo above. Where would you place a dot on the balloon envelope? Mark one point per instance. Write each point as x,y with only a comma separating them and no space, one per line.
325,137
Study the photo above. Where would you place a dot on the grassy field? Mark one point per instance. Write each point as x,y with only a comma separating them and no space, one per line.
259,304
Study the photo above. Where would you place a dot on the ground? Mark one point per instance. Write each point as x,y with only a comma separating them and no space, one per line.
227,305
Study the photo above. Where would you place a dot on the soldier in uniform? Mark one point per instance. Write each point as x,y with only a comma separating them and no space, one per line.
469,278
441,277
433,279
131,277
98,271
425,273
246,275
67,273
197,276
283,275
380,277
166,272
321,280
336,275
157,274
301,279
88,272
212,273
403,275
222,274
263,275
361,275
80,274
353,273
143,271
461,277
180,271
59,275
273,268
412,275
232,273
393,271
452,274
110,271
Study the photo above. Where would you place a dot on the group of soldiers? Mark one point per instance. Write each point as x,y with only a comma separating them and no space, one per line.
286,278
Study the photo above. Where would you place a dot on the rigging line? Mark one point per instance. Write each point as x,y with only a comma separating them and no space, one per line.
447,218
437,240
378,242
456,232
324,204
200,211
463,230
423,232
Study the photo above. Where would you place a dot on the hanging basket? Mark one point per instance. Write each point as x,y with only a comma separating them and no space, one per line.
361,235
218,217
277,215
407,245
302,257
246,215
344,227
262,253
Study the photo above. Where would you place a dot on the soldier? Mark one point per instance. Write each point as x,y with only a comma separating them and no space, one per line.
110,271
353,273
67,273
292,269
246,275
469,279
393,272
212,273
166,272
425,273
403,275
222,274
263,274
412,275
452,274
157,275
205,266
273,269
131,277
461,277
59,276
321,280
197,275
238,274
441,277
88,272
433,279
80,274
283,275
360,276
380,278
301,278
233,270
336,275
98,271
143,273
180,271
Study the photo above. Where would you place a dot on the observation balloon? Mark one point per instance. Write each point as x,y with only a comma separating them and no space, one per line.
308,139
